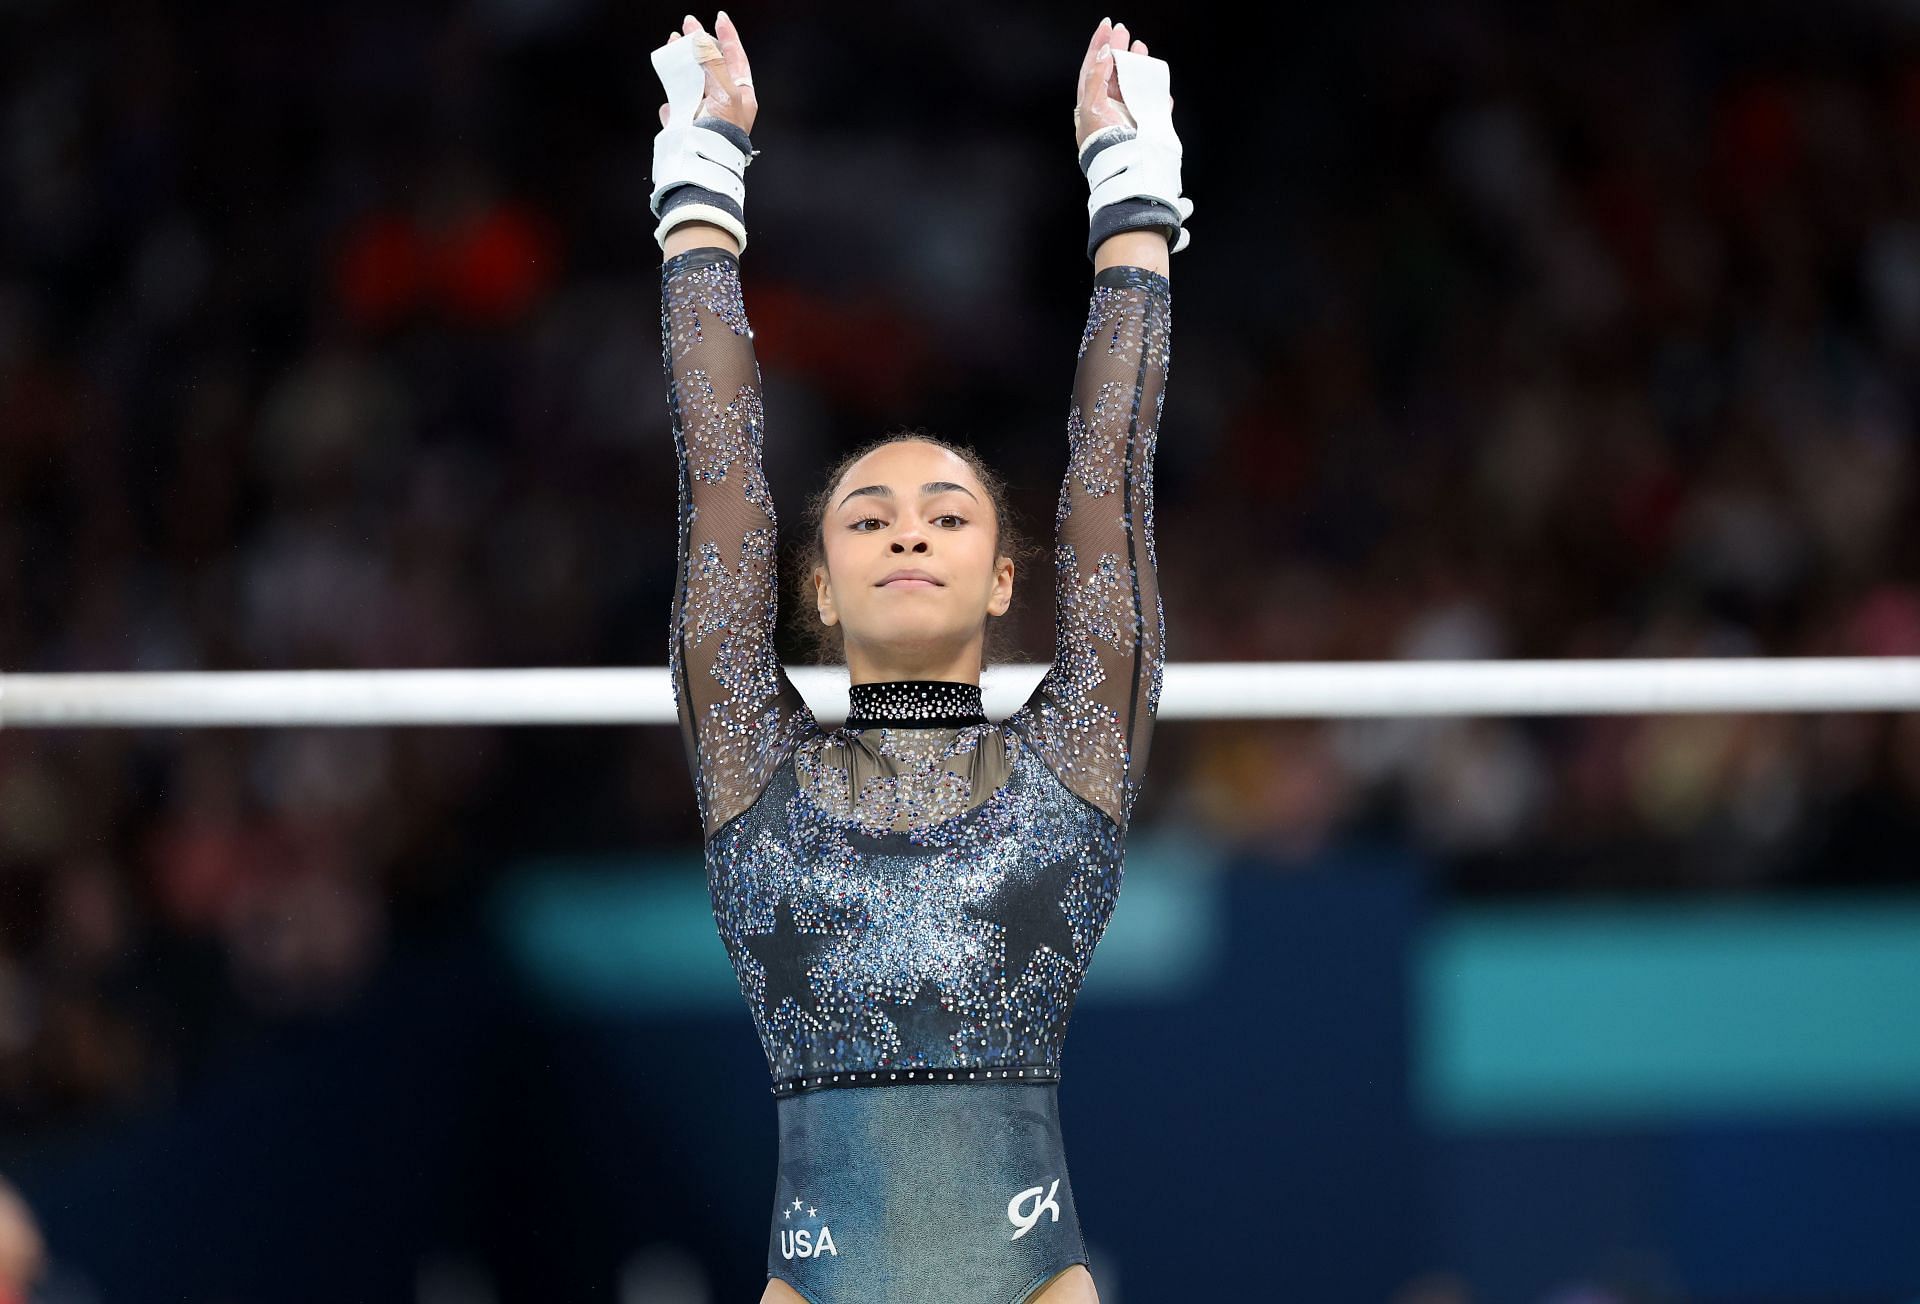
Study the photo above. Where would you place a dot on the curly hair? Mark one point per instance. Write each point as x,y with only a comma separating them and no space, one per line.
826,644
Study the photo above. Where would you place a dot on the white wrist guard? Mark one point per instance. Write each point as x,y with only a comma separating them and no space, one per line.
1142,162
687,155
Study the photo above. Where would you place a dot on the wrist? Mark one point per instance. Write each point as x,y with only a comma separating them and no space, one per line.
1139,221
699,178
1146,249
697,235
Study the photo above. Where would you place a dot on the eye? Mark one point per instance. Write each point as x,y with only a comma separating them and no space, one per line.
950,516
866,520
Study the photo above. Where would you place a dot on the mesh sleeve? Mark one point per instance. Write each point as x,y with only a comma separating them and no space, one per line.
740,716
1091,717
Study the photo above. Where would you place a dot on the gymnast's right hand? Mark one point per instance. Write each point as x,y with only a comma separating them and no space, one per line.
729,90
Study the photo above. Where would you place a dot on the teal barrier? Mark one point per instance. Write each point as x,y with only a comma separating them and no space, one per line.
1577,1013
1569,1013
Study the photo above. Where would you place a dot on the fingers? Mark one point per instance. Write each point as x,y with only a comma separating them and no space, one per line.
731,49
1093,83
722,57
1096,69
1115,36
708,53
1118,40
1093,46
1110,82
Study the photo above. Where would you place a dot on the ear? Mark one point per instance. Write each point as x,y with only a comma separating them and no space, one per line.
823,597
1002,596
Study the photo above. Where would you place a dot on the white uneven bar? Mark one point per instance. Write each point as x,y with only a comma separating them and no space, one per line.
1192,690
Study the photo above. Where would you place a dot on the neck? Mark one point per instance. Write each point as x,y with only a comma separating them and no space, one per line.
962,666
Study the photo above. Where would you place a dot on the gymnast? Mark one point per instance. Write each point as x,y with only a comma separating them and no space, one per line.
910,901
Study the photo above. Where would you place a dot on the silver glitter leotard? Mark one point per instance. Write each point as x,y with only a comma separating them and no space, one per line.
914,896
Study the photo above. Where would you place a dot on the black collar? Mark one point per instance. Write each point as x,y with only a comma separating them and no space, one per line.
914,704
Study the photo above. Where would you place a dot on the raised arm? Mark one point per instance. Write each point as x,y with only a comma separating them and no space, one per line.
1092,715
740,716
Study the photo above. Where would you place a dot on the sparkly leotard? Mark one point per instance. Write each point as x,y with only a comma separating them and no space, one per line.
911,901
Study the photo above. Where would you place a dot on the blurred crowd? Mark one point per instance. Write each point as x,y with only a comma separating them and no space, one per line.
329,339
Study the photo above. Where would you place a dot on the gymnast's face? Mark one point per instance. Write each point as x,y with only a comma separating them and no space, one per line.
911,505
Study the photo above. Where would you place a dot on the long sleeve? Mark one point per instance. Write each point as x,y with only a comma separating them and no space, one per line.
1091,717
740,716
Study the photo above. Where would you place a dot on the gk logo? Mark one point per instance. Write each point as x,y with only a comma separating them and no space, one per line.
1041,1203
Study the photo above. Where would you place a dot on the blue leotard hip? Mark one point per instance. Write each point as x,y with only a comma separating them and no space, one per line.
942,1193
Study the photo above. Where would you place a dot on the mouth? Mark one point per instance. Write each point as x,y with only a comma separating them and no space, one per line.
909,578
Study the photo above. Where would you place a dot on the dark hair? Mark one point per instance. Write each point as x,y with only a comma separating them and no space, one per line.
826,644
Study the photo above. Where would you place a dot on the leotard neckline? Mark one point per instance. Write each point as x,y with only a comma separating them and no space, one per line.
914,704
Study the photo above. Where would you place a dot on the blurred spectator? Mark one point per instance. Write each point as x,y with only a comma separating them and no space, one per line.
23,1255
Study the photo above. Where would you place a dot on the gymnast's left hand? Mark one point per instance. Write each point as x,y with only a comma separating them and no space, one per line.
1100,104
729,90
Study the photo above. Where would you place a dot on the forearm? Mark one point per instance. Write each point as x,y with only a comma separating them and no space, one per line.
705,235
1094,709
737,710
1146,249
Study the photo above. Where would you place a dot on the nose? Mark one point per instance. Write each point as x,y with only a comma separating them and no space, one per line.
912,542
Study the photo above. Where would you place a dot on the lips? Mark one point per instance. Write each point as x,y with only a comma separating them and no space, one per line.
909,579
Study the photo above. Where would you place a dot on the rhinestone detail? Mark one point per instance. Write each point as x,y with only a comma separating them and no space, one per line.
818,1082
914,703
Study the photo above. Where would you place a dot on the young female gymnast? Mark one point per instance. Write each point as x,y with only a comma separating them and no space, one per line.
910,901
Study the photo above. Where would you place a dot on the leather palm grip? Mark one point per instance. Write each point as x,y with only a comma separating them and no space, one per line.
707,160
1141,163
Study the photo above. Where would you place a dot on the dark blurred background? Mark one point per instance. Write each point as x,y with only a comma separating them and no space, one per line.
329,339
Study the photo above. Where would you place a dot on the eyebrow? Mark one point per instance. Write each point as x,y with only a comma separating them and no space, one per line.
930,487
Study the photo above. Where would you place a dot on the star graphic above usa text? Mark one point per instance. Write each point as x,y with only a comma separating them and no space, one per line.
927,1026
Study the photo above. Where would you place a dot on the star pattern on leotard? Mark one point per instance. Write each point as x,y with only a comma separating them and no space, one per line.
785,955
1031,912
930,1026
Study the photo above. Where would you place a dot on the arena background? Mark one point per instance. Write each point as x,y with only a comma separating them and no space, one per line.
329,339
